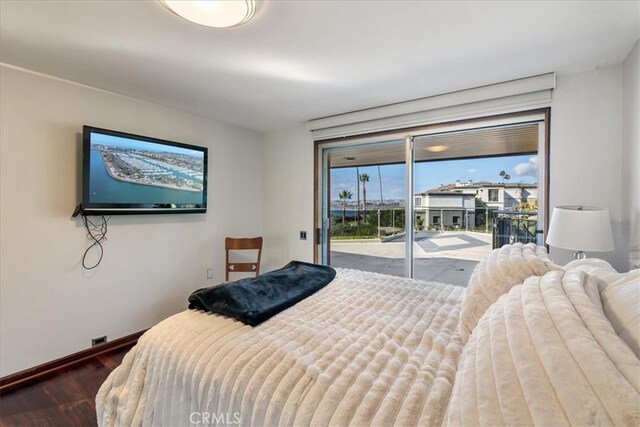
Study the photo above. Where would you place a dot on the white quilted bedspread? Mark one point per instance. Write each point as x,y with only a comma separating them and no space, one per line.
367,349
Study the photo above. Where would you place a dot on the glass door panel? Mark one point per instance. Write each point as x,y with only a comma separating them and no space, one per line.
473,191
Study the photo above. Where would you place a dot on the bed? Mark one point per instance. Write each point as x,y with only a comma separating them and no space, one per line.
371,349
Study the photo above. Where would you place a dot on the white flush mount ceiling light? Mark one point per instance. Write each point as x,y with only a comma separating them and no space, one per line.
213,13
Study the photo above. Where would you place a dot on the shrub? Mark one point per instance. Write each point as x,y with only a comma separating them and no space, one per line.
362,230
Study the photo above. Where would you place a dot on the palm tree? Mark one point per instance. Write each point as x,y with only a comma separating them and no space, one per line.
358,193
364,178
380,179
344,195
502,174
506,177
379,203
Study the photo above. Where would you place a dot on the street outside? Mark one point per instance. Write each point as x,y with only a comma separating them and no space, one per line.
448,257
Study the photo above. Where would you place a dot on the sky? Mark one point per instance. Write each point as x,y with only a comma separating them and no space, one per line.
432,174
116,141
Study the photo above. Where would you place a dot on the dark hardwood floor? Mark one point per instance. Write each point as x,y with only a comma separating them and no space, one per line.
61,399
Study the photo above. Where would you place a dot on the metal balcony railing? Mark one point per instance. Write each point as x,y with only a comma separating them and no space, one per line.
513,226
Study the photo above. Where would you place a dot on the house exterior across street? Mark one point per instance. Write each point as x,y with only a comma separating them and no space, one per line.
456,205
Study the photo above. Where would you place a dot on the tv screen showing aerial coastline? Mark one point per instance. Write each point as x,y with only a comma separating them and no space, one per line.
130,171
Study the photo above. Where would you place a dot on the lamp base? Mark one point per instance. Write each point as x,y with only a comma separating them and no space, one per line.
579,255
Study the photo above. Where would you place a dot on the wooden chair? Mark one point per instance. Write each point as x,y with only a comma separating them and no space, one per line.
233,244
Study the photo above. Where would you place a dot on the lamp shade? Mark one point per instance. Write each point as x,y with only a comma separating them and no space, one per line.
583,228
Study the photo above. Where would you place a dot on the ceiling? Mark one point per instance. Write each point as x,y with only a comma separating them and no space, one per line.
494,141
299,60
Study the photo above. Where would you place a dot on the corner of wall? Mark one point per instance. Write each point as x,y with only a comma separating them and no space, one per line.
630,171
287,196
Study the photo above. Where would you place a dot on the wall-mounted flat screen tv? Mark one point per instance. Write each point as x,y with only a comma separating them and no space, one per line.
129,174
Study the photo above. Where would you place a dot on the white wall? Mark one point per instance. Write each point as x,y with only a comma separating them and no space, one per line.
585,150
631,156
50,307
287,196
586,158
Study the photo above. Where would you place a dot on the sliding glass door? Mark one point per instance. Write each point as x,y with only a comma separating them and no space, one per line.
431,203
473,190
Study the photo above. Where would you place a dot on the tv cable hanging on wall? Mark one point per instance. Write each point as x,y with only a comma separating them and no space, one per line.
96,233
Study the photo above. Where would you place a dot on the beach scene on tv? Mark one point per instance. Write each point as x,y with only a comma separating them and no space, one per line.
129,171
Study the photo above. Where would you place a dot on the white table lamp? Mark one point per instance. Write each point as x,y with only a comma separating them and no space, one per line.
581,228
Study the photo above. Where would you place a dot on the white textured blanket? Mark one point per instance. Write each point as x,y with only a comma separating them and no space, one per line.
366,350
545,354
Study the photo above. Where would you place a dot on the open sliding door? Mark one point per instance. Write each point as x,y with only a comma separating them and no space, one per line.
362,202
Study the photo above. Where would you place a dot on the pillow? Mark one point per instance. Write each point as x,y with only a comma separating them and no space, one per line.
590,264
543,355
502,269
595,267
621,304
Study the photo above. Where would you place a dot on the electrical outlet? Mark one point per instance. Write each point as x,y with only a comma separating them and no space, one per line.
98,341
303,235
209,273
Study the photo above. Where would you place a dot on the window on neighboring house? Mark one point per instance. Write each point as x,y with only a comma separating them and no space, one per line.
436,220
416,201
493,194
456,220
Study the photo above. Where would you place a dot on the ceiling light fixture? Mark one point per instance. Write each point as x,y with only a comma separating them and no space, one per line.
213,13
437,148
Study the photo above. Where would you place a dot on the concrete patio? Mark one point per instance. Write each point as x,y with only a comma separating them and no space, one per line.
448,257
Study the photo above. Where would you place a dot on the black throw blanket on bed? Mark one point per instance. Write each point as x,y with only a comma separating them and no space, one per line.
254,300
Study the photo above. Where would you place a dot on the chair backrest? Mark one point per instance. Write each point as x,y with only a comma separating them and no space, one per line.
234,244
